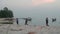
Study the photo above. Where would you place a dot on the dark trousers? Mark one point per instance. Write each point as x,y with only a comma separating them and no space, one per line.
47,23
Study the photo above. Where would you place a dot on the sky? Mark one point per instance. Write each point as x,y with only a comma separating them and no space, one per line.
25,3
28,7
37,9
39,2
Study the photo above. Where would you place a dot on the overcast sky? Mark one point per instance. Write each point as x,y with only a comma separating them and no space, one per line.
28,7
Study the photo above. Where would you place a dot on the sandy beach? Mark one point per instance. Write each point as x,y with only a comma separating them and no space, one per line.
28,29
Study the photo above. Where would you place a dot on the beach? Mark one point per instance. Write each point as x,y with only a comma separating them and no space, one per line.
28,29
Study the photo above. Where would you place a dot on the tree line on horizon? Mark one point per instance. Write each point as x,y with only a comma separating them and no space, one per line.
6,13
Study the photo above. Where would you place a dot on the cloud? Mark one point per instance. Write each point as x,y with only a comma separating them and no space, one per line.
39,2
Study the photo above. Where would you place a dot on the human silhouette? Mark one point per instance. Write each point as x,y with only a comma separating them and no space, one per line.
47,21
17,21
26,21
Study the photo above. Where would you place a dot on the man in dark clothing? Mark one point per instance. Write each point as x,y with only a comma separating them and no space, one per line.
17,21
47,21
26,20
